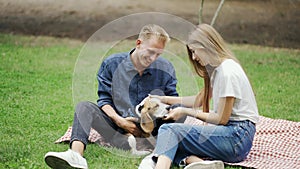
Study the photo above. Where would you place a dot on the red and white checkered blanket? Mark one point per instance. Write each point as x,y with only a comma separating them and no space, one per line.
276,144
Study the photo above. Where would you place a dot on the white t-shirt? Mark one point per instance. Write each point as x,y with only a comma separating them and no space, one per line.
230,80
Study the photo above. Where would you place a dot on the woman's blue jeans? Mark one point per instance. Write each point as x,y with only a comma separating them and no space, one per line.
229,143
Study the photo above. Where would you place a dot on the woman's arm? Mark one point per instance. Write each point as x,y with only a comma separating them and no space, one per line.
221,117
223,113
186,101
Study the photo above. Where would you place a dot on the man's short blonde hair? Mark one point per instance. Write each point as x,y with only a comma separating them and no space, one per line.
154,30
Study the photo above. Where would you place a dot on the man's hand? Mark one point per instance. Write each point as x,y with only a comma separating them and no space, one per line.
128,124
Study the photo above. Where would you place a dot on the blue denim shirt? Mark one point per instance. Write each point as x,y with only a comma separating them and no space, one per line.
121,86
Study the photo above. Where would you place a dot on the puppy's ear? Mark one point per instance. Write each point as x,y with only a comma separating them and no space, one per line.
140,108
147,102
147,123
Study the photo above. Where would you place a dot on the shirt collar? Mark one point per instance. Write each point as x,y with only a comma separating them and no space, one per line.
128,63
130,67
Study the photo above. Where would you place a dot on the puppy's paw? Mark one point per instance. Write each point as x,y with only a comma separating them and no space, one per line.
140,153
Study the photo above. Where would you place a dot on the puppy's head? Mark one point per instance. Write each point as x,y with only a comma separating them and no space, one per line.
150,106
147,110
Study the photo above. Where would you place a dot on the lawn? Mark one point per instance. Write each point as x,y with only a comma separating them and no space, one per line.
37,97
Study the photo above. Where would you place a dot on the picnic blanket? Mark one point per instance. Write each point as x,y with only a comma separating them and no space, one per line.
276,144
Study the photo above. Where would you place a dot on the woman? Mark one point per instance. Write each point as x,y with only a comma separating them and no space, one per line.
233,116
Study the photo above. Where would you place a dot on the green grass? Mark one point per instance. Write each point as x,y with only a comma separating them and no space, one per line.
37,100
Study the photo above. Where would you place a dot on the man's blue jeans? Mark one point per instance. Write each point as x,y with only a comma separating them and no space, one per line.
88,115
229,143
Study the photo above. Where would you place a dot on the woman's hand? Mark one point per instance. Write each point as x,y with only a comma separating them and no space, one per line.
163,99
156,97
177,113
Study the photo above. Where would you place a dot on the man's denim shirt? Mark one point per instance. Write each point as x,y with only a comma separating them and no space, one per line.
121,86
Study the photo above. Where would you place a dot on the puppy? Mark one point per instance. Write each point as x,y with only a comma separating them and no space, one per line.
147,110
151,112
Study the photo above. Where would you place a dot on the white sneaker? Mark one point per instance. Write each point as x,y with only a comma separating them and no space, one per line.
206,165
67,159
147,163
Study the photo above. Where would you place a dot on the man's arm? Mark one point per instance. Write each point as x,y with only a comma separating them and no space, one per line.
104,77
125,123
105,101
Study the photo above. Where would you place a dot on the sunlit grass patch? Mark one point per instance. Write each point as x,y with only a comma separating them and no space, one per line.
37,98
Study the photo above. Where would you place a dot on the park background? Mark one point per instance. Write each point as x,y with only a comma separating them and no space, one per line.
40,41
263,22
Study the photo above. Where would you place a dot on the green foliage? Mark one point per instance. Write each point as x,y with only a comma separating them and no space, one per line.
37,106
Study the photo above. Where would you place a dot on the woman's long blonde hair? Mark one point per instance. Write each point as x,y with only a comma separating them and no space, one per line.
206,37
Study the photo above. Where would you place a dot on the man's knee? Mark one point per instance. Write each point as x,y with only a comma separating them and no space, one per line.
85,107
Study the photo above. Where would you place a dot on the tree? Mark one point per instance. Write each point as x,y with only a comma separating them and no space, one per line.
215,15
201,11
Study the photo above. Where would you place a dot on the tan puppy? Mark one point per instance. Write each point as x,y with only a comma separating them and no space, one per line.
149,110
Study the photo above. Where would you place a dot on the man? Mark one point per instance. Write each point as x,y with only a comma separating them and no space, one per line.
125,79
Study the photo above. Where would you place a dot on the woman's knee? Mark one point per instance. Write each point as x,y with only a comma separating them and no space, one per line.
165,126
169,127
